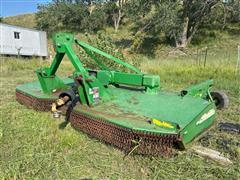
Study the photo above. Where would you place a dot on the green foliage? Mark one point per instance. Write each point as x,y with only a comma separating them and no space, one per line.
153,18
175,23
116,12
223,15
95,21
179,21
69,15
233,11
106,44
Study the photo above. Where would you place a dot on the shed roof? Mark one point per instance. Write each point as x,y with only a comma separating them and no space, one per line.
19,27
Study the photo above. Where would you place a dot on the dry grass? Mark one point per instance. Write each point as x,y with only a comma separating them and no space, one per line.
25,20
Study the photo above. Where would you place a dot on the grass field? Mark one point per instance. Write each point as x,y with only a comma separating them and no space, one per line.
33,145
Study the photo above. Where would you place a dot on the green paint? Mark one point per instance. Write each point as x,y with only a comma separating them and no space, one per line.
63,43
34,89
190,111
200,90
132,109
91,48
48,83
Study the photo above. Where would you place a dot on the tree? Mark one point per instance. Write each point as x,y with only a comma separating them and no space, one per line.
118,13
231,11
91,5
192,16
179,19
115,9
72,15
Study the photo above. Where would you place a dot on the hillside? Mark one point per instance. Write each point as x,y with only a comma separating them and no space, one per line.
24,20
222,43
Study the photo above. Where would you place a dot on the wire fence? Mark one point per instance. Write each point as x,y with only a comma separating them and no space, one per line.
203,56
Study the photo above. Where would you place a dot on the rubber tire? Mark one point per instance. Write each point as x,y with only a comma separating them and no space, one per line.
70,93
220,98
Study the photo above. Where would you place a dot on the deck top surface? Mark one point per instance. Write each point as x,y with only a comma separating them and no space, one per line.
133,109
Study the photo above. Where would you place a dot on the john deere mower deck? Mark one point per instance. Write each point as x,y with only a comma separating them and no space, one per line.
127,110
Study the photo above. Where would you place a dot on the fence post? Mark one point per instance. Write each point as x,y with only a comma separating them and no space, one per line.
205,56
197,57
238,59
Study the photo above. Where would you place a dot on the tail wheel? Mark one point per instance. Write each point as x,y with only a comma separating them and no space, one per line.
220,99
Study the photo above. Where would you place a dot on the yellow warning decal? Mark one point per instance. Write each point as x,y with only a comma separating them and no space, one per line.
162,123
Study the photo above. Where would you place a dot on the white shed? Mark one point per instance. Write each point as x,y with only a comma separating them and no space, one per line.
15,40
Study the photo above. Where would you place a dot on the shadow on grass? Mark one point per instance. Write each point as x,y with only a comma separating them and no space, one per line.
63,125
124,43
234,31
147,47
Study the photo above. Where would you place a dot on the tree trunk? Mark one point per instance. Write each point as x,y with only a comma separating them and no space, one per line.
91,7
182,41
118,16
117,20
224,16
190,28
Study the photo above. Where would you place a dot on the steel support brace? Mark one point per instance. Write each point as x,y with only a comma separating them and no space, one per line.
63,43
93,49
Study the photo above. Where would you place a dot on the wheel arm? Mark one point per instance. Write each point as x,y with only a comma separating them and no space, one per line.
199,90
